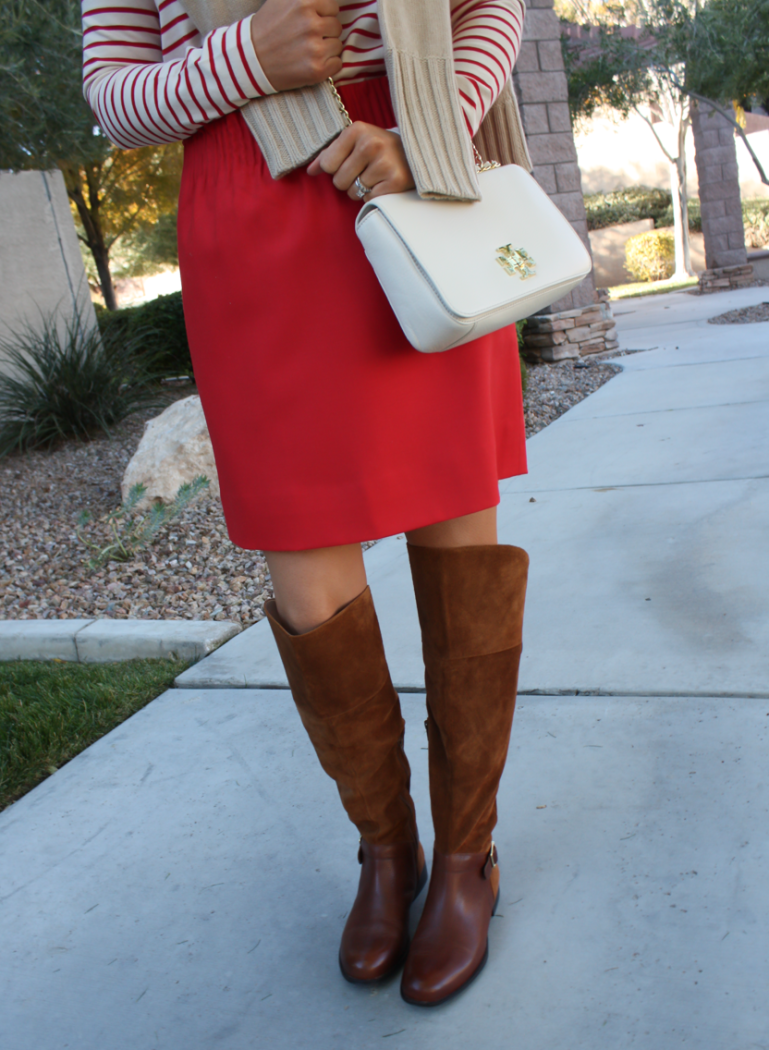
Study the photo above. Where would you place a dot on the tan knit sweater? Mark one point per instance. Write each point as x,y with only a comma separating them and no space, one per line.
292,127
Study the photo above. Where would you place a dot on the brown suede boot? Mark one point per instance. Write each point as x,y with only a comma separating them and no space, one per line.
470,602
341,686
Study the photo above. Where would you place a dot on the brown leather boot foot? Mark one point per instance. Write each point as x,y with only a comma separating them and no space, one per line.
450,946
376,935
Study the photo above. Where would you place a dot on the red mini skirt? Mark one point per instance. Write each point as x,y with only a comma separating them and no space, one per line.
327,426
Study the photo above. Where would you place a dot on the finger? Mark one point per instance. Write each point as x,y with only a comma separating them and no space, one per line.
361,165
327,8
330,28
333,156
333,67
367,155
385,175
332,47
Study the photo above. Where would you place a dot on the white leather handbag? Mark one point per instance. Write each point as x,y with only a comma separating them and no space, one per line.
454,271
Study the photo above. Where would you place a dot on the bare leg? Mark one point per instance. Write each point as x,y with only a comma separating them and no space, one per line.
471,530
311,586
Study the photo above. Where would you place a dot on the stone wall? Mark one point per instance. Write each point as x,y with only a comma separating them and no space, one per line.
540,81
41,269
716,159
581,322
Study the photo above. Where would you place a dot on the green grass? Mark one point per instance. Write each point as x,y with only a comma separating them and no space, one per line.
50,711
631,291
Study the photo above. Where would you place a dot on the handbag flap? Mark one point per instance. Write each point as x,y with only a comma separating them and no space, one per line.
479,255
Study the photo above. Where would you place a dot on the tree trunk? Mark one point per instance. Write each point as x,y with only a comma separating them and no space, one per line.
88,210
681,205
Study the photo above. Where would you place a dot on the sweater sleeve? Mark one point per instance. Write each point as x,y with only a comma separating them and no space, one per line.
141,94
487,38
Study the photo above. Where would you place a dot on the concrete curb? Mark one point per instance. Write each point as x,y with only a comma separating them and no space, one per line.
106,641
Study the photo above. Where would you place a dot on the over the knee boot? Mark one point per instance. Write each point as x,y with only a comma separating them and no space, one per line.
470,602
341,686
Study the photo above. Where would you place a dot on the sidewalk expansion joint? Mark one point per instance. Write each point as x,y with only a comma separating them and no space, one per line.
638,694
641,694
640,485
74,638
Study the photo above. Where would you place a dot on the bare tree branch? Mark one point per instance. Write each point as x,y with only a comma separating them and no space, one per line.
732,120
662,146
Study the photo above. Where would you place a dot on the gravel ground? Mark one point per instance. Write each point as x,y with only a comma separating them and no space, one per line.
745,315
191,571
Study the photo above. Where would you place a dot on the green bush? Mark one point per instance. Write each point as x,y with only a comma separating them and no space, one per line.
651,256
695,216
628,205
156,330
640,202
68,380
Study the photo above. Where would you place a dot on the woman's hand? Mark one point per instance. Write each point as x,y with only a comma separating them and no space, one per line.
371,154
297,41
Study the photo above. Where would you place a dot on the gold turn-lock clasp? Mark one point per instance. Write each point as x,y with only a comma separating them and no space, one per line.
516,261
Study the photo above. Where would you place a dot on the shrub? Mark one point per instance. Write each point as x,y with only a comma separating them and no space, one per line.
156,329
628,205
67,380
695,216
755,216
651,256
519,327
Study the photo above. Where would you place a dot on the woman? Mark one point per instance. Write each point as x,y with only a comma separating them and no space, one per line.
329,429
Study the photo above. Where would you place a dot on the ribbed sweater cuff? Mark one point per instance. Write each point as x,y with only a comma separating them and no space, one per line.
439,151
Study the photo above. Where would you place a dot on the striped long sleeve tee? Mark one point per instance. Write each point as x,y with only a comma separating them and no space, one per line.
150,77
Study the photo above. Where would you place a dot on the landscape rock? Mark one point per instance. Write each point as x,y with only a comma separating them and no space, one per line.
174,449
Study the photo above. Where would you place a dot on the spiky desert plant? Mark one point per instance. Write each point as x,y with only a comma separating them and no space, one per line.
64,379
131,530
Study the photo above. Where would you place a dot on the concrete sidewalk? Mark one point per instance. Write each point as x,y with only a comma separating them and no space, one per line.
183,883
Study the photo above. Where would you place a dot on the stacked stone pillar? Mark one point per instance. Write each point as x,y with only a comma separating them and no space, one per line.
579,323
716,157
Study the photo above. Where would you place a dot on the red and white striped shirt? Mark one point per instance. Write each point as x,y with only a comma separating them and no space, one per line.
150,77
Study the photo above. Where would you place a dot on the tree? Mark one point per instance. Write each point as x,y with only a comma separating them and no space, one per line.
639,68
663,53
45,123
726,51
725,47
125,193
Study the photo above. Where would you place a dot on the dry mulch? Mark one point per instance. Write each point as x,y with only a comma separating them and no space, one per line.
553,389
745,315
192,570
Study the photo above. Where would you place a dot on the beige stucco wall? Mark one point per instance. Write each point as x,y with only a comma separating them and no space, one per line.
40,264
615,153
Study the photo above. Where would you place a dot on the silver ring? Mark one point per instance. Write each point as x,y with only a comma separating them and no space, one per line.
360,189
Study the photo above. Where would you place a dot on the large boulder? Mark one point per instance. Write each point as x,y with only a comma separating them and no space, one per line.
174,449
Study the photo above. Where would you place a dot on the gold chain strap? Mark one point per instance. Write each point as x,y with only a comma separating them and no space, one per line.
484,165
338,99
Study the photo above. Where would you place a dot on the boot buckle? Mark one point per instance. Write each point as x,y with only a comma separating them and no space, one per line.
491,861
